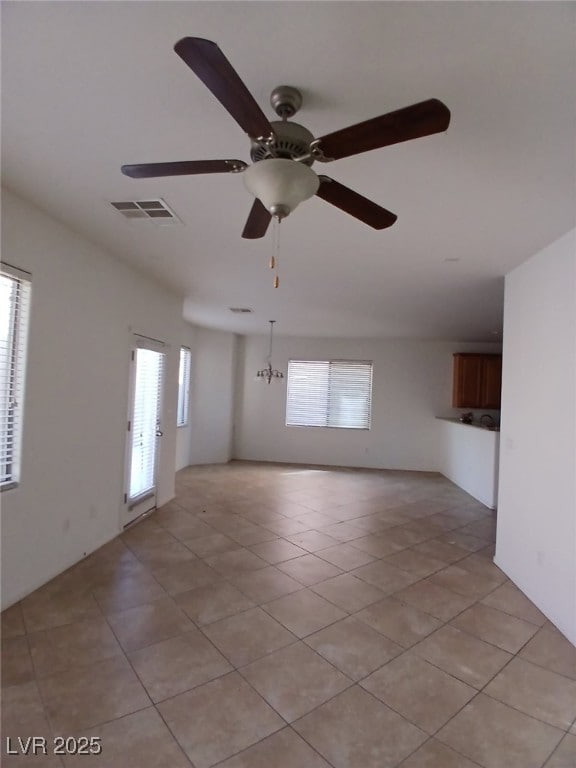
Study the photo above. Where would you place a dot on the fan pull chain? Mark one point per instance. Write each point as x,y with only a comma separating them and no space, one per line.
275,258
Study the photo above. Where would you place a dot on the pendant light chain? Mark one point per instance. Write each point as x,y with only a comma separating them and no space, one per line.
268,374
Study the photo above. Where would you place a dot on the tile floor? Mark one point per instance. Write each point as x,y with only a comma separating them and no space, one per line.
290,617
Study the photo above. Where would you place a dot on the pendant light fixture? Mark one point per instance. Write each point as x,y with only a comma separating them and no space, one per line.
269,373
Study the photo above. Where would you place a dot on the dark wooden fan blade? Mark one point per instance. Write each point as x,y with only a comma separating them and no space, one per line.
185,168
258,221
422,119
351,202
208,62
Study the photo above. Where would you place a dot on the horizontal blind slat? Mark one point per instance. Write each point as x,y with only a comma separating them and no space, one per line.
332,393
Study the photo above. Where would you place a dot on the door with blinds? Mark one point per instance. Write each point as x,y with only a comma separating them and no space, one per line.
144,427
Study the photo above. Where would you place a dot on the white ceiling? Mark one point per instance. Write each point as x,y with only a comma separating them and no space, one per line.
89,86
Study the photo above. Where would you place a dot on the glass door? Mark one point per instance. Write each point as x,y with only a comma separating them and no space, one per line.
144,430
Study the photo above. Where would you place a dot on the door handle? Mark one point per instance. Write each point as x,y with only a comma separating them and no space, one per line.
159,433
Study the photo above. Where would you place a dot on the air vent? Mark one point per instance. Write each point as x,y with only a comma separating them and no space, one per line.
241,310
147,209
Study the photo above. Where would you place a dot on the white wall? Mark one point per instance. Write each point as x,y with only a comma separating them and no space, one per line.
212,402
536,538
412,384
469,457
85,307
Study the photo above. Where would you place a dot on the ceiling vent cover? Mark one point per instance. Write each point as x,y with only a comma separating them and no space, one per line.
155,210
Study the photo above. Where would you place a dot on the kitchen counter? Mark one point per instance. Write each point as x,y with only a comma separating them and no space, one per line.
476,425
469,455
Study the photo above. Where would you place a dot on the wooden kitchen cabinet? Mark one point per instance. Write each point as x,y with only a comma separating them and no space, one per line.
477,380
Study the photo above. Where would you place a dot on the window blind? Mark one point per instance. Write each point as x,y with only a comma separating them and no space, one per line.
184,386
146,420
14,312
329,393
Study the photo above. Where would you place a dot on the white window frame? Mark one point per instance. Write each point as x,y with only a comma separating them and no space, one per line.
336,394
185,364
13,352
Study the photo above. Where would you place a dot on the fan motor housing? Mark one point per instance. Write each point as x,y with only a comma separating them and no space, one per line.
292,141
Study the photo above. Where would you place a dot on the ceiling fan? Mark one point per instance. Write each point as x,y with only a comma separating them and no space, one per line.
283,152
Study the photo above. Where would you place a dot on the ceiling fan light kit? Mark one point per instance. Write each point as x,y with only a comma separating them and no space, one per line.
281,185
282,152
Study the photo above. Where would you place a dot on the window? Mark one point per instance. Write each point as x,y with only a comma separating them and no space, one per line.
184,387
329,393
14,304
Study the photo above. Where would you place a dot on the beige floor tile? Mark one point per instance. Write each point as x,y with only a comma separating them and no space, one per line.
248,636
304,612
43,609
295,680
354,647
564,755
212,544
147,624
182,524
75,645
483,529
345,556
407,536
386,577
482,565
16,664
370,524
162,552
177,665
311,541
354,729
256,534
235,561
536,692
265,584
552,651
285,527
182,577
415,562
434,754
400,623
496,627
497,736
466,657
377,545
463,540
309,569
433,599
212,603
463,582
510,599
284,749
314,521
118,594
87,696
23,712
12,622
423,694
420,530
141,740
277,551
348,592
219,719
440,550
343,531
